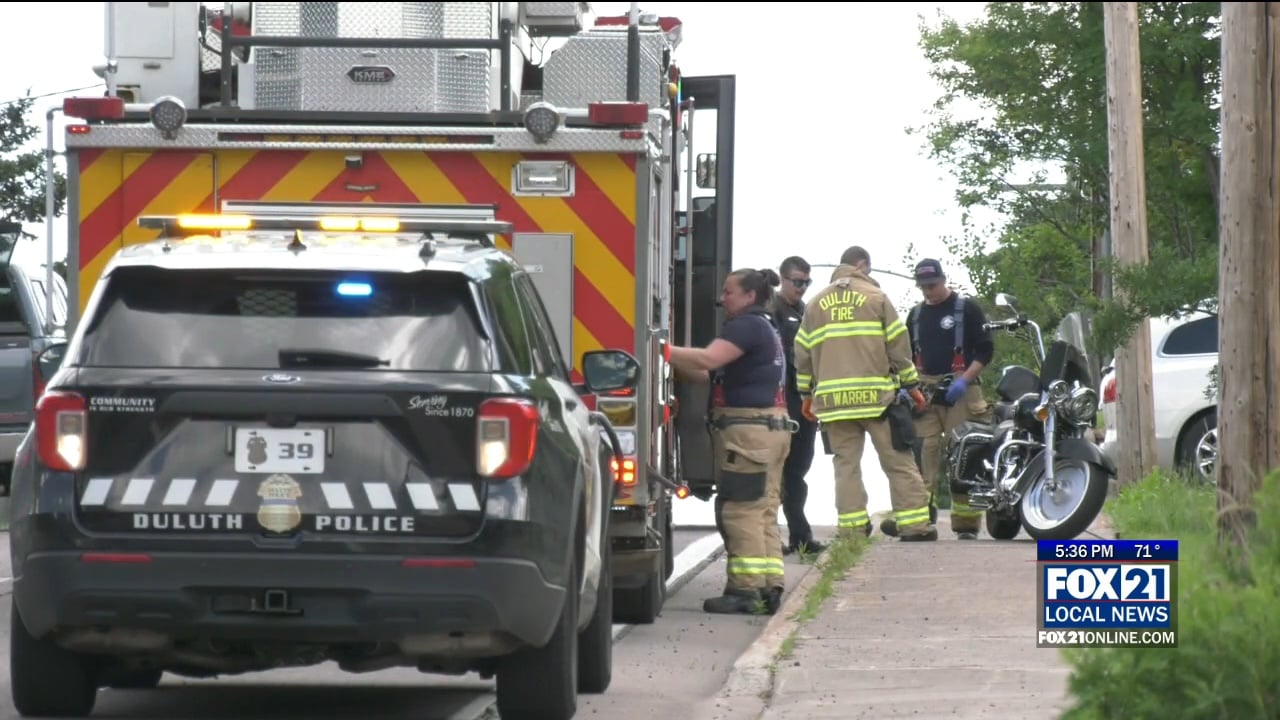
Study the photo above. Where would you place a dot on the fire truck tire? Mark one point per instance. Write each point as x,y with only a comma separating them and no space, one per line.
668,545
541,683
640,606
45,679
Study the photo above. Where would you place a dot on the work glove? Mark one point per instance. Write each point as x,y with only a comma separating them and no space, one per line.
956,390
806,409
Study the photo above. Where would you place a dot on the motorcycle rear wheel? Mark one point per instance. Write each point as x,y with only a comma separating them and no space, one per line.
1068,511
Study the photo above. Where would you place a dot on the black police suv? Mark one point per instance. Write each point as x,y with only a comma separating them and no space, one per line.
287,445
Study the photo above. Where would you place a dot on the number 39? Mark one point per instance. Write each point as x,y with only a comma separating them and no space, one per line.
300,451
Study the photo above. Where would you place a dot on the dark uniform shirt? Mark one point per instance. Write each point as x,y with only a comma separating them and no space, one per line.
756,379
786,317
937,346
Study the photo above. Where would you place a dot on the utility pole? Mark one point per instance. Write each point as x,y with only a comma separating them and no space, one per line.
1249,247
1134,407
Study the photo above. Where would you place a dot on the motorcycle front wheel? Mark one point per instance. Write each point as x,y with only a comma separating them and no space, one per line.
1066,511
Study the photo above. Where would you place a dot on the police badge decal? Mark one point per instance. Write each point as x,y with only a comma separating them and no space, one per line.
279,511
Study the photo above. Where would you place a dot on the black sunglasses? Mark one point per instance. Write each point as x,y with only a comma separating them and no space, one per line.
801,283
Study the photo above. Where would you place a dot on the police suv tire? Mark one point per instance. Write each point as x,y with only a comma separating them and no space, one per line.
46,680
542,683
144,679
595,643
1005,525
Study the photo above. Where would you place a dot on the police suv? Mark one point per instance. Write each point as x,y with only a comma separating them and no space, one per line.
279,440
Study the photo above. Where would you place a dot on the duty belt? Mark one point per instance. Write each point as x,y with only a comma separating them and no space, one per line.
773,422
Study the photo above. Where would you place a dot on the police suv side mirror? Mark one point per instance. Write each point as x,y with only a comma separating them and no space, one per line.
48,362
608,370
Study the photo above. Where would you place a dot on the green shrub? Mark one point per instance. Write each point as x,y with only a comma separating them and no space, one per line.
1227,663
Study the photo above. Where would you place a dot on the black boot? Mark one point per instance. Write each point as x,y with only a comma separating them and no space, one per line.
888,526
927,536
773,600
736,602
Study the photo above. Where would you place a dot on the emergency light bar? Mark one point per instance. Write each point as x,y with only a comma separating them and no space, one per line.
186,224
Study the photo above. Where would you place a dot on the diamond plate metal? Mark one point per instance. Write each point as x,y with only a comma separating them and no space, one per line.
206,137
425,80
592,67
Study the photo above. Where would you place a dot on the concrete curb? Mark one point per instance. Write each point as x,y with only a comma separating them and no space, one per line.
751,675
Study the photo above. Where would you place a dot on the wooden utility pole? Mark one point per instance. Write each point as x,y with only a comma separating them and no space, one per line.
1134,405
1249,260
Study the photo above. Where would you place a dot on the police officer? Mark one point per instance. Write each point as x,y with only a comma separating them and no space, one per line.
853,359
947,338
787,309
751,438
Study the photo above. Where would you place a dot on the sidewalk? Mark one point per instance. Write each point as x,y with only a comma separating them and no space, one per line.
916,630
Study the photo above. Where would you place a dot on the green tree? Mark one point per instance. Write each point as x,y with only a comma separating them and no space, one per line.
22,168
1037,71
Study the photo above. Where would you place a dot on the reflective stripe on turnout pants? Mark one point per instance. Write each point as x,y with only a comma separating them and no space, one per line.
748,462
932,429
906,487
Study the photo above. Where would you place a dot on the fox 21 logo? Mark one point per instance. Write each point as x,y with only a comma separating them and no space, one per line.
1139,582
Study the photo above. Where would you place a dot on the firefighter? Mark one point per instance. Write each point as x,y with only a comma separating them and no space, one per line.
751,438
947,338
787,309
853,365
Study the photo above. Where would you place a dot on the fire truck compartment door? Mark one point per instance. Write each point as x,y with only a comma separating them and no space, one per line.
548,258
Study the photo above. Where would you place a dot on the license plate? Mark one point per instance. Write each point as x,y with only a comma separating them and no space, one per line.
275,450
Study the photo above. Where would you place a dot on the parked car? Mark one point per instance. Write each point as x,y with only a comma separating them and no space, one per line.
27,330
1184,352
303,448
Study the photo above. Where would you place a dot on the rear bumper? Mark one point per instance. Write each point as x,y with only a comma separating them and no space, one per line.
329,599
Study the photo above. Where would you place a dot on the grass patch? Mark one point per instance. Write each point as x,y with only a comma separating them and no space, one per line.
834,564
1227,665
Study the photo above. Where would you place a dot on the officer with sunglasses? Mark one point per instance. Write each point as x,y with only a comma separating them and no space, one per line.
787,310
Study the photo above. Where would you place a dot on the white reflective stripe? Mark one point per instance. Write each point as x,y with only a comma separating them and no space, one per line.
337,496
96,491
464,497
380,497
423,496
137,492
179,492
221,492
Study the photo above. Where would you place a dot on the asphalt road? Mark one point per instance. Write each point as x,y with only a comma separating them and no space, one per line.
660,670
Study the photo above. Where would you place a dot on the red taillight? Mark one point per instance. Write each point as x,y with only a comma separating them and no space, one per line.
624,474
506,437
62,425
116,558
1109,390
618,113
98,108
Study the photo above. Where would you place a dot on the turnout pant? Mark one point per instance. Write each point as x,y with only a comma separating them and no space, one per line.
749,459
906,487
932,429
795,491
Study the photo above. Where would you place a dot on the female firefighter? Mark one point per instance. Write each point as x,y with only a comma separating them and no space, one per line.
751,435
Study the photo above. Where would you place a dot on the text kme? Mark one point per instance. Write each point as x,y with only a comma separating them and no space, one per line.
1139,582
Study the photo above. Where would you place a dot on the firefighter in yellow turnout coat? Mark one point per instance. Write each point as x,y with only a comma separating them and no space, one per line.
751,438
853,364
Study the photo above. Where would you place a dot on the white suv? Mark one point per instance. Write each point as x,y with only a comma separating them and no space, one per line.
1184,352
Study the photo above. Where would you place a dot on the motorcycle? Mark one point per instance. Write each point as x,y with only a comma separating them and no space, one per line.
1037,468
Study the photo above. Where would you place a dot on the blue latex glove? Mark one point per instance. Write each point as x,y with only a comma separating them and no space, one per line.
956,390
904,397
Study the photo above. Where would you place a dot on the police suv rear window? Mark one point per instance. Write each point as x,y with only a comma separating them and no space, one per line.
252,319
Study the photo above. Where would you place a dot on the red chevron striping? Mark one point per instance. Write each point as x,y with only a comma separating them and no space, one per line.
256,178
388,187
110,218
595,312
87,156
630,159
470,178
604,218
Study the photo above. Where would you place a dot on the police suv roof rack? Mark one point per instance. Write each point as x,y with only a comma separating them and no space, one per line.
197,223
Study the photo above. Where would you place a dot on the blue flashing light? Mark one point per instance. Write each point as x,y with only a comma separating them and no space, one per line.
355,289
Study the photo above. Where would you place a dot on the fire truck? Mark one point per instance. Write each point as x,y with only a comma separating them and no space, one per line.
575,128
